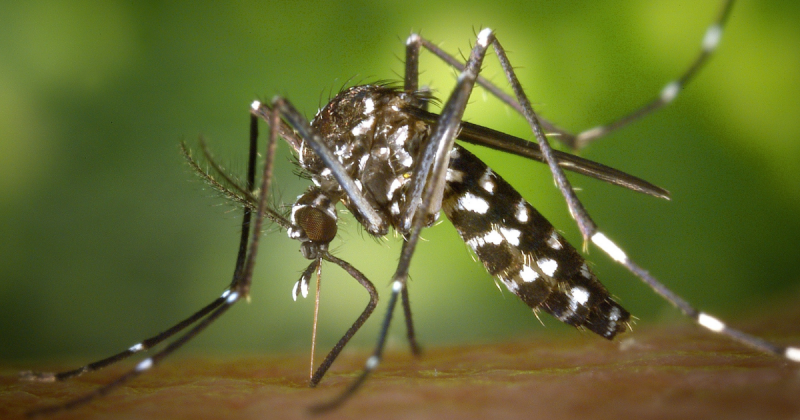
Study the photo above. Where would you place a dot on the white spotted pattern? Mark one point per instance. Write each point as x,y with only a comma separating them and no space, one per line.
486,181
511,285
511,235
363,127
522,214
585,271
473,203
553,241
528,274
548,266
579,296
454,175
493,237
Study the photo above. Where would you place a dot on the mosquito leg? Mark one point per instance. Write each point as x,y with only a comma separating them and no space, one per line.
155,340
590,232
710,43
229,299
577,141
411,84
427,179
242,283
372,362
239,287
703,319
373,302
136,348
411,78
412,338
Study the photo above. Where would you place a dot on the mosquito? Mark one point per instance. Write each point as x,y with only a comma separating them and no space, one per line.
378,151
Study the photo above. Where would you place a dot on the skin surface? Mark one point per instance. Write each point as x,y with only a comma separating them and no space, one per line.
663,372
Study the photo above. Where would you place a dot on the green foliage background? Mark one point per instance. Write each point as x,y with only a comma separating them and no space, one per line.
107,238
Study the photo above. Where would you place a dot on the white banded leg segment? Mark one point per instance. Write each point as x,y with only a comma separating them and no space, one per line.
792,353
144,365
610,248
712,37
136,348
397,286
372,363
232,298
710,322
670,91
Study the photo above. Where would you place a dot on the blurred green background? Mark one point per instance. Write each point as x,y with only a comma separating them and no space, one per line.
106,237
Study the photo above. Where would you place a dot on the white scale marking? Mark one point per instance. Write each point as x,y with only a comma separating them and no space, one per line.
712,37
593,132
483,37
710,322
578,296
401,135
512,286
372,362
585,271
614,314
511,235
528,274
473,203
303,286
522,212
233,297
609,247
670,91
396,183
363,127
548,266
492,237
553,241
792,353
144,365
294,290
369,106
454,175
136,348
486,181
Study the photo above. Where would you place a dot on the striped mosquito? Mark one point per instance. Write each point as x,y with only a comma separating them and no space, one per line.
378,151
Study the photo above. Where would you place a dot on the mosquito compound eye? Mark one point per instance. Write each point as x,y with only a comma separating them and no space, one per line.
318,225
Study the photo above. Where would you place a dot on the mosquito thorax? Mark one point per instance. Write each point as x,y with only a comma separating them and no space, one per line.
368,130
